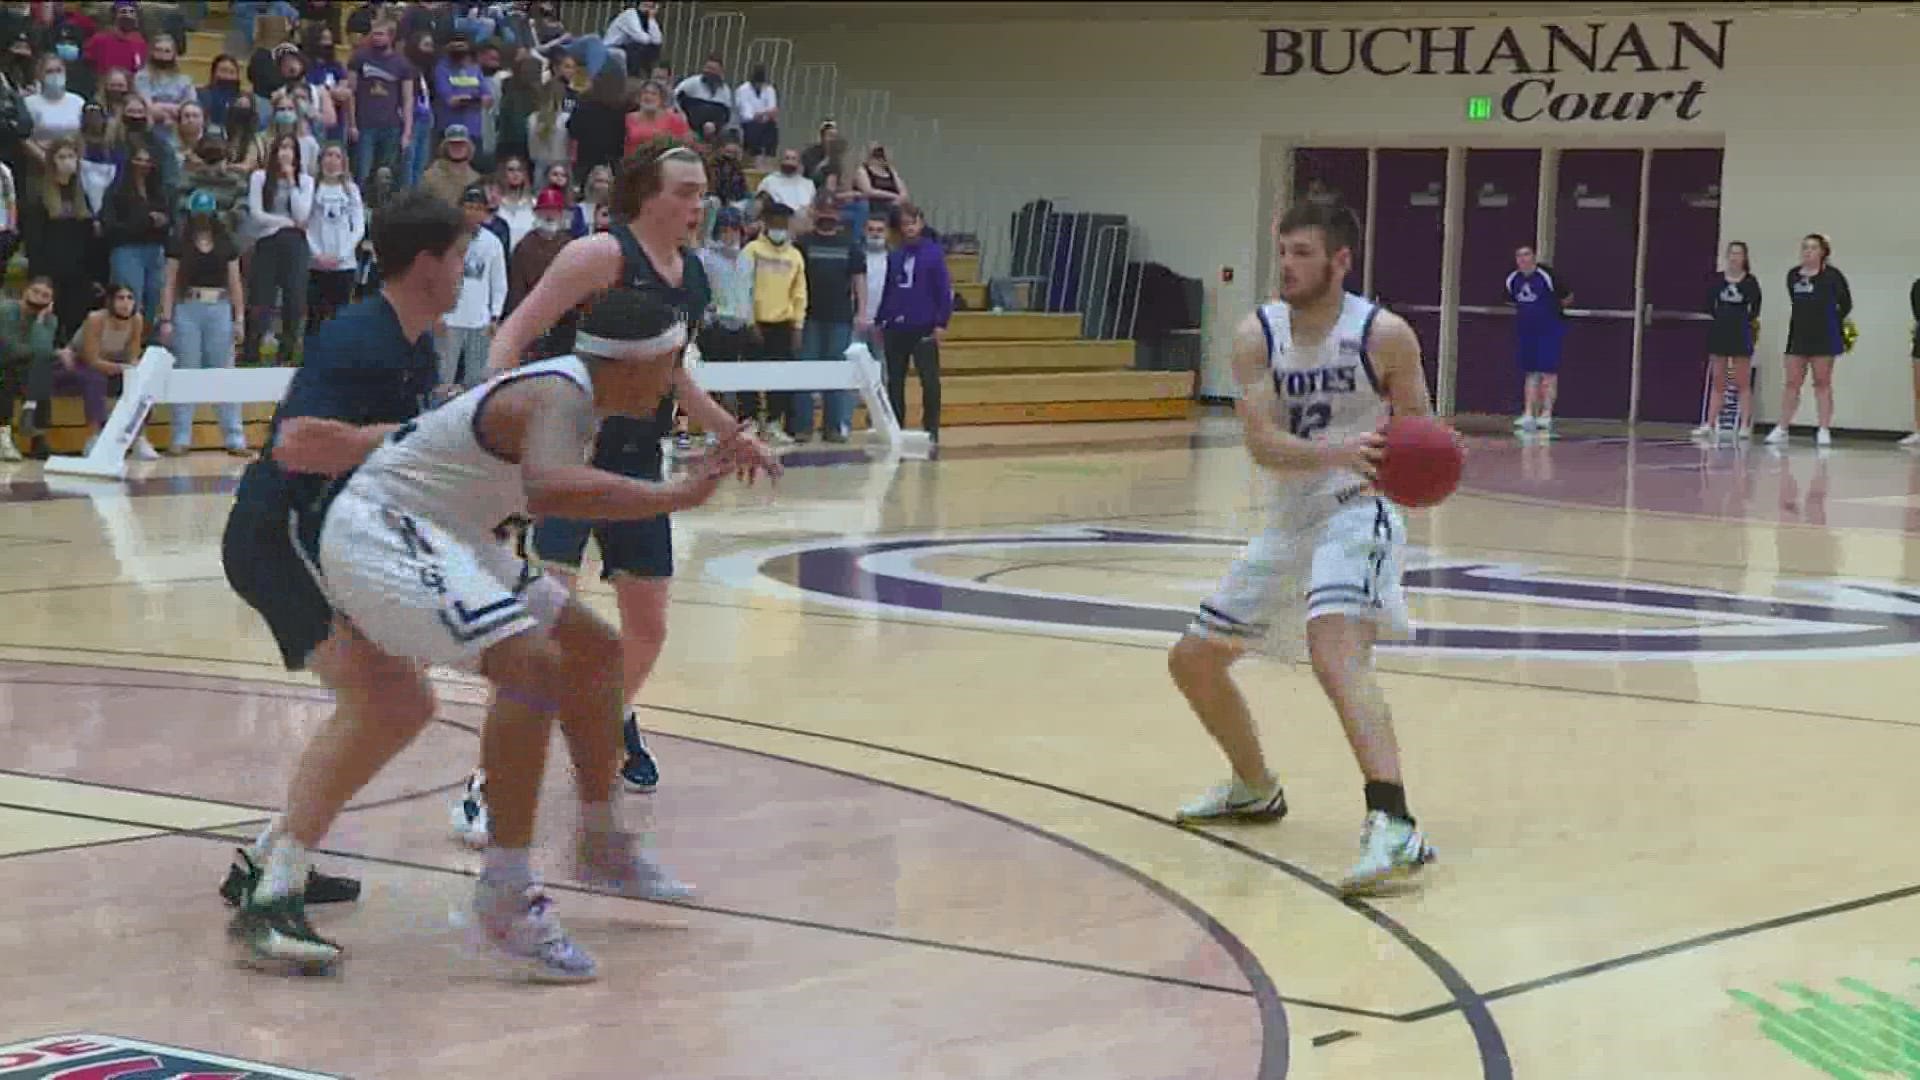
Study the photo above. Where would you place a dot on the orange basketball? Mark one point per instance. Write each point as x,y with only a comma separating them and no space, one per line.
1422,462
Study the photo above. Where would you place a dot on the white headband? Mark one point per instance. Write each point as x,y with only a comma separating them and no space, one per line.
641,349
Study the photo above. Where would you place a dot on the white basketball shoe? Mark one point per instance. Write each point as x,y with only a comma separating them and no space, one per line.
471,825
1391,850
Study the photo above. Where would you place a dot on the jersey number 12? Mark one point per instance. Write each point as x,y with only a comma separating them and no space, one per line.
1304,420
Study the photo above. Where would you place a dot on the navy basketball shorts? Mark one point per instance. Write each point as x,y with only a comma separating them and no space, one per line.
639,549
1538,349
267,572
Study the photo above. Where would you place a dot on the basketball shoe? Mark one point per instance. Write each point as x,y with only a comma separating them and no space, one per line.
274,932
1236,800
470,823
617,863
244,874
517,925
1391,850
641,773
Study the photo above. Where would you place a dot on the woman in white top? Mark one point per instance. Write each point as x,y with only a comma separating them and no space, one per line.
547,140
757,106
515,206
335,228
635,33
279,203
56,113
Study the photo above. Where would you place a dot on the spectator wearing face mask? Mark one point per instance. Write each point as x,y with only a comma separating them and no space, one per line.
134,224
60,235
729,333
706,99
67,39
202,312
635,32
779,305
287,119
537,250
328,77
836,309
222,90
787,187
99,159
121,45
757,104
461,91
654,120
29,331
166,88
55,109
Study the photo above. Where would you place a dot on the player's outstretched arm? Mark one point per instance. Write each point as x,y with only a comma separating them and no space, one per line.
555,422
1394,349
311,444
1260,410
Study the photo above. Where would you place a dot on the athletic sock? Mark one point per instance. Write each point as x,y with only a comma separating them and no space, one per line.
285,874
264,842
1388,798
509,868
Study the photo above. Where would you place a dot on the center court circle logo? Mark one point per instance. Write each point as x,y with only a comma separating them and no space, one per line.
1827,618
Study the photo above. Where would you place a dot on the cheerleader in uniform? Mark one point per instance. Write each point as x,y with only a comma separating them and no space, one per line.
1734,305
1815,335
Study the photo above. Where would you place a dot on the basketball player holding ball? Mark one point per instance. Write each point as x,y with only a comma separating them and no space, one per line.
1320,373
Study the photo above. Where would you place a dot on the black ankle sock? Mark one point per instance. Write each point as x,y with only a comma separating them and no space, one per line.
1388,798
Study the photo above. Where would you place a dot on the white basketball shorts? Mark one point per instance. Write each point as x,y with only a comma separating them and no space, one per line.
1345,562
420,592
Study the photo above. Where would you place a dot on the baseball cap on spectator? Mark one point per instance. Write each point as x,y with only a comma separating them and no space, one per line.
728,218
475,193
283,49
550,198
455,133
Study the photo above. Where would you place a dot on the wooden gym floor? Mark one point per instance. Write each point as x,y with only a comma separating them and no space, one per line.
920,751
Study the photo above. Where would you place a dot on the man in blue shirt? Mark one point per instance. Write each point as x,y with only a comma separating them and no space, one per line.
1539,298
367,371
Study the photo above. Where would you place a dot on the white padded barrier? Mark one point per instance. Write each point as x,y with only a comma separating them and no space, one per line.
155,381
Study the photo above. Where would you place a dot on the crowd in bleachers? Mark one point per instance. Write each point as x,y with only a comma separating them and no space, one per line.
219,205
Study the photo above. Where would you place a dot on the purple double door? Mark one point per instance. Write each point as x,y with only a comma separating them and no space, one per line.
1683,230
1409,243
1502,213
1596,237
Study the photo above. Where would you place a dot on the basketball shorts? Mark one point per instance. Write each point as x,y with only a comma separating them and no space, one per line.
642,549
1538,350
423,593
1344,562
267,571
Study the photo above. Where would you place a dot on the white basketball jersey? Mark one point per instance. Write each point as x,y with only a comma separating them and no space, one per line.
435,467
1328,391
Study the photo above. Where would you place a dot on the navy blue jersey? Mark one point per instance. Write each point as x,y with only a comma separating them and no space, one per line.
1821,302
1536,295
1734,305
360,369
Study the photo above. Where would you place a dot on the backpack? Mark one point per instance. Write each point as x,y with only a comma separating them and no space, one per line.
16,122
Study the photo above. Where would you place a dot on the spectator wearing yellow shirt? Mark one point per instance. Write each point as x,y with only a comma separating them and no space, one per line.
779,305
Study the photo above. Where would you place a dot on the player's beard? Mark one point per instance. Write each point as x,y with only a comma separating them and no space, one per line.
1307,294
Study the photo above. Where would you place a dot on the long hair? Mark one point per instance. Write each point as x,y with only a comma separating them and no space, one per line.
1746,260
69,199
609,87
272,166
547,111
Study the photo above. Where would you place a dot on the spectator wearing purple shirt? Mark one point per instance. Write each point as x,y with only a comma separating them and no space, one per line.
460,89
382,119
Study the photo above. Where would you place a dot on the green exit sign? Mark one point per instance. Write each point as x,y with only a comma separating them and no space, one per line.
1480,108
